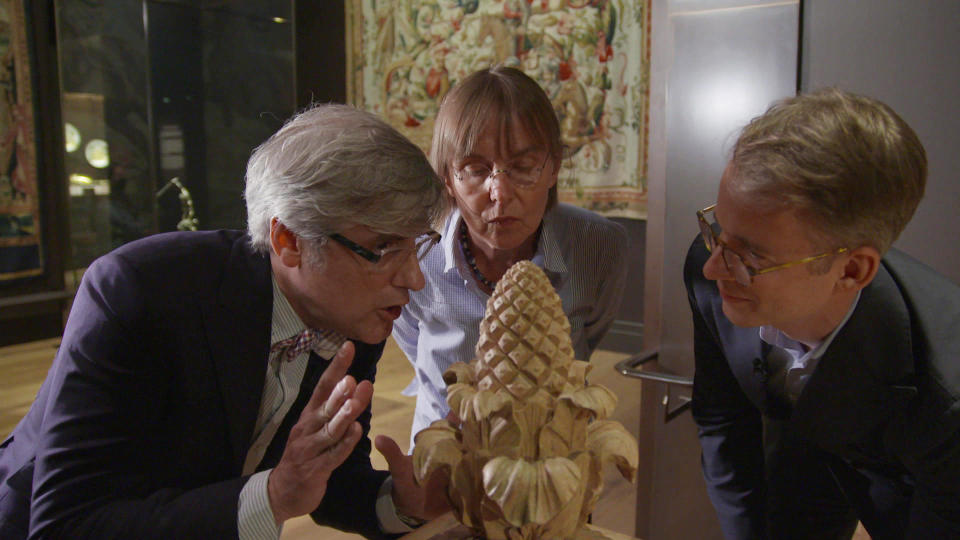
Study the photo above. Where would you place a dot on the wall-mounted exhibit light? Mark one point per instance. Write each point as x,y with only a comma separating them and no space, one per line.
97,153
81,179
71,137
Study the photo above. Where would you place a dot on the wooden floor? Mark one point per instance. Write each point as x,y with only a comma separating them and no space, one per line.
23,368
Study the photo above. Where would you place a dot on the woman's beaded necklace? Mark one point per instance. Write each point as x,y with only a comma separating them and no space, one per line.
471,260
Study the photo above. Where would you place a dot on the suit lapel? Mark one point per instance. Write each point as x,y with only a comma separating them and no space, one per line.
238,332
745,353
866,373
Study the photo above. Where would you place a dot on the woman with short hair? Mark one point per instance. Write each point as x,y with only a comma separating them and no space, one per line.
497,147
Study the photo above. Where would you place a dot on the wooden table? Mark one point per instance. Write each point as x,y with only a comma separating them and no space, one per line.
446,527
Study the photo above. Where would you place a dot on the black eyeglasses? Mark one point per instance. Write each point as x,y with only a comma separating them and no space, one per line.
740,270
392,255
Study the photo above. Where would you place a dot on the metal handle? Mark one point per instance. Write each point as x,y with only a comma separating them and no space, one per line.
627,368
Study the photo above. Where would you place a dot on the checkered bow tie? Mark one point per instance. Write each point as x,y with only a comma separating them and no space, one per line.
293,347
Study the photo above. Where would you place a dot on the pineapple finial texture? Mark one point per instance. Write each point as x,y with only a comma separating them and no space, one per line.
525,461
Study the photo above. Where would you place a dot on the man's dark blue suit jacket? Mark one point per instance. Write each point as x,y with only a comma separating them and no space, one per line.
142,425
884,401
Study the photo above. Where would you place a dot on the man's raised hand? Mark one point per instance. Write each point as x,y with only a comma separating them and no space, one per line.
321,440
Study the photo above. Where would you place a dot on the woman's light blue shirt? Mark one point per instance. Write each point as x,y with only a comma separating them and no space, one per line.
583,255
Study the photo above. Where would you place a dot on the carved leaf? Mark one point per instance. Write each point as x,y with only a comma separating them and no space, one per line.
459,372
574,514
609,441
530,419
459,396
595,398
530,492
565,433
440,444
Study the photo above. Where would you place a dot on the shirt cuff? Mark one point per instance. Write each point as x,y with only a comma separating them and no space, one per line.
254,516
387,512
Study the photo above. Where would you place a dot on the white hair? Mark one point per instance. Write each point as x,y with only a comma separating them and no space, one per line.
334,166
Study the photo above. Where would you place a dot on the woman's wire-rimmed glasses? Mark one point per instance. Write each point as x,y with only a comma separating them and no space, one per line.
521,175
740,270
390,256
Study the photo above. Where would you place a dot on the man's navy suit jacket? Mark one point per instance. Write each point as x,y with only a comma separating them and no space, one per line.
884,399
142,425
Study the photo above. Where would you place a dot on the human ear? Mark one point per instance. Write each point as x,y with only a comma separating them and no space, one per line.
861,266
448,183
554,174
285,244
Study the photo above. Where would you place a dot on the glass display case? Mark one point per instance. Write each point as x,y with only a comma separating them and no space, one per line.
162,103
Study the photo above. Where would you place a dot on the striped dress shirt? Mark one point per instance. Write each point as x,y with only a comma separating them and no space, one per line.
283,379
583,255
282,383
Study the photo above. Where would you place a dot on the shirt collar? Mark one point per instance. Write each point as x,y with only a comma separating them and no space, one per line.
548,254
285,323
450,241
549,245
775,337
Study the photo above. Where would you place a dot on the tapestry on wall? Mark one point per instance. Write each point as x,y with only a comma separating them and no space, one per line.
20,254
591,56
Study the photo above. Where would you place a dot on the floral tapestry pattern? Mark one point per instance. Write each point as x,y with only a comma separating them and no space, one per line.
591,56
19,204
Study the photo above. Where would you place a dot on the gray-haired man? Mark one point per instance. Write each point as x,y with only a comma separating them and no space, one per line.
207,386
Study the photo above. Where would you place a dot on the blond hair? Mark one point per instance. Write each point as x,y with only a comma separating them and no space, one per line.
847,163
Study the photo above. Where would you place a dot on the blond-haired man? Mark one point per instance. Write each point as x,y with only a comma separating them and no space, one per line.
827,376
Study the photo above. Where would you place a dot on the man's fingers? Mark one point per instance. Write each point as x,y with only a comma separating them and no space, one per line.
339,452
396,460
312,420
363,393
293,481
345,415
331,376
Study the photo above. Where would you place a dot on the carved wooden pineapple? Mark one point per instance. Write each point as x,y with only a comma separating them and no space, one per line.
526,461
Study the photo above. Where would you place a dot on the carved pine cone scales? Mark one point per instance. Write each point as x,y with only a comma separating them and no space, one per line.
525,462
524,346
